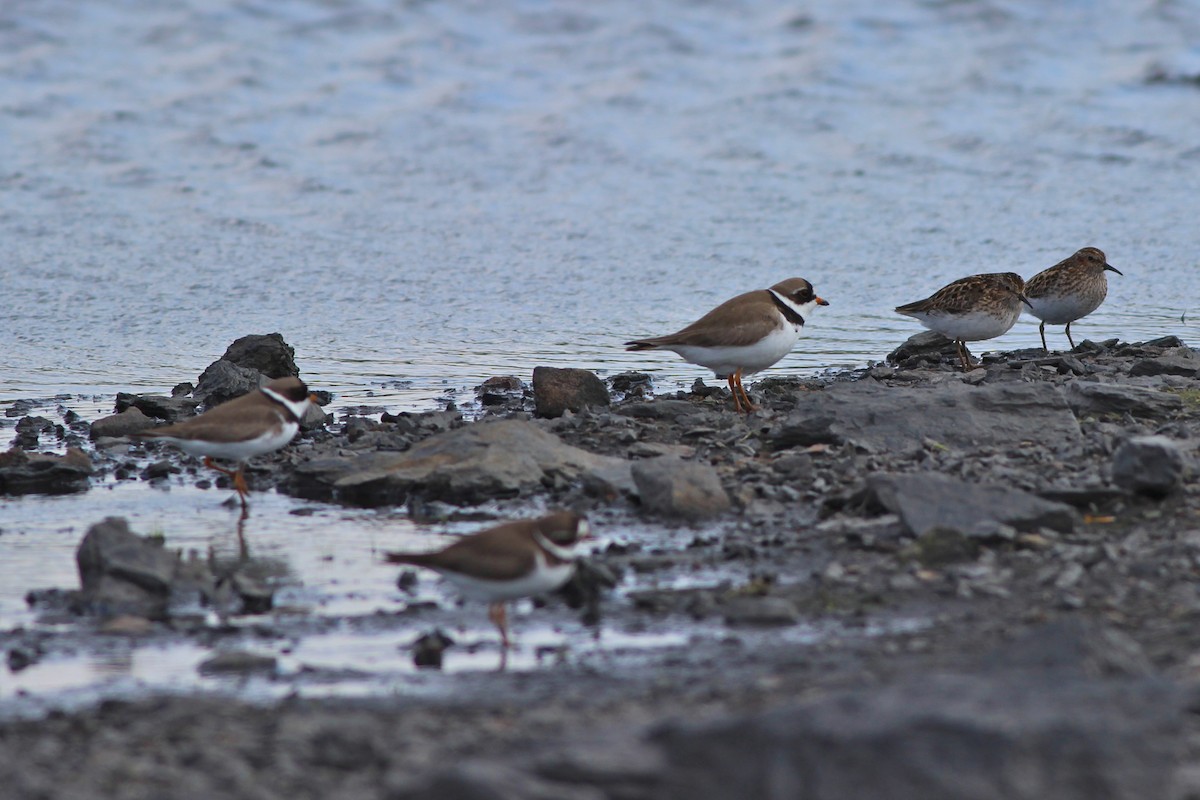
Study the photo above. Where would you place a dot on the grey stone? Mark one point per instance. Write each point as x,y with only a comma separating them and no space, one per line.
265,353
1174,364
879,418
36,473
493,458
944,737
940,546
556,391
760,612
223,380
927,500
1074,646
131,420
489,780
238,662
158,406
922,344
1150,465
672,487
1109,398
123,573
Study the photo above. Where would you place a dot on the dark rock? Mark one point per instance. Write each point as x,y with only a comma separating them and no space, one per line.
238,662
223,380
938,547
131,420
30,430
663,409
587,587
622,766
428,649
170,409
1108,398
500,391
760,612
159,469
123,573
926,500
1175,364
631,384
926,343
33,473
1150,465
493,458
879,418
265,353
558,390
256,596
20,657
674,488
1074,646
943,737
487,780
182,389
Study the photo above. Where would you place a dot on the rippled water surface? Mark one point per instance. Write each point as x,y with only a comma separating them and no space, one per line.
438,192
419,195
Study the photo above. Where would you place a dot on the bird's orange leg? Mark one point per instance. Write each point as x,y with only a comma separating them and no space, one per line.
238,475
498,614
747,403
732,379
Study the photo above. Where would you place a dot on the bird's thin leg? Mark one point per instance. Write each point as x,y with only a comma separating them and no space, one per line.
208,462
965,355
731,379
748,404
1069,339
1042,331
498,614
239,483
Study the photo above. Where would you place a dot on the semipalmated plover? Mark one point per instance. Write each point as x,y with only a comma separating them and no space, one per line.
1071,289
744,335
515,559
259,422
971,309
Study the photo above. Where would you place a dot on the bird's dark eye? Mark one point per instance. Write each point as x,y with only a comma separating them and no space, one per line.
803,296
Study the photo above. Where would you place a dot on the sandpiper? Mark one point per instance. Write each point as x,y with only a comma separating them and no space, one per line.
1070,290
971,309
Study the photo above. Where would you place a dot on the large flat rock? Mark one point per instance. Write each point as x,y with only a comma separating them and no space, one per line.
948,737
926,500
500,458
881,418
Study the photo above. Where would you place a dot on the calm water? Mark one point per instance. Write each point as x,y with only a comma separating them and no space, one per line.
434,193
419,195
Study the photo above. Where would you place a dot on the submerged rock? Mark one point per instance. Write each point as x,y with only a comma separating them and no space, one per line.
556,391
1150,465
678,489
493,458
35,473
124,574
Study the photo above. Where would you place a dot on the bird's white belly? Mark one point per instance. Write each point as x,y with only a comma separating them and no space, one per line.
541,580
749,358
237,451
1061,309
971,327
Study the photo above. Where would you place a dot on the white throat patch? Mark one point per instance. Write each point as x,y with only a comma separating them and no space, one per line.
559,552
299,409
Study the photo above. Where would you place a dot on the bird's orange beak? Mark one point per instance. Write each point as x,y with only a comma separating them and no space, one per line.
821,301
312,397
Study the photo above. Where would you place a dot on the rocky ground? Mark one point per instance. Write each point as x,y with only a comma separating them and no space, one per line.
1004,563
